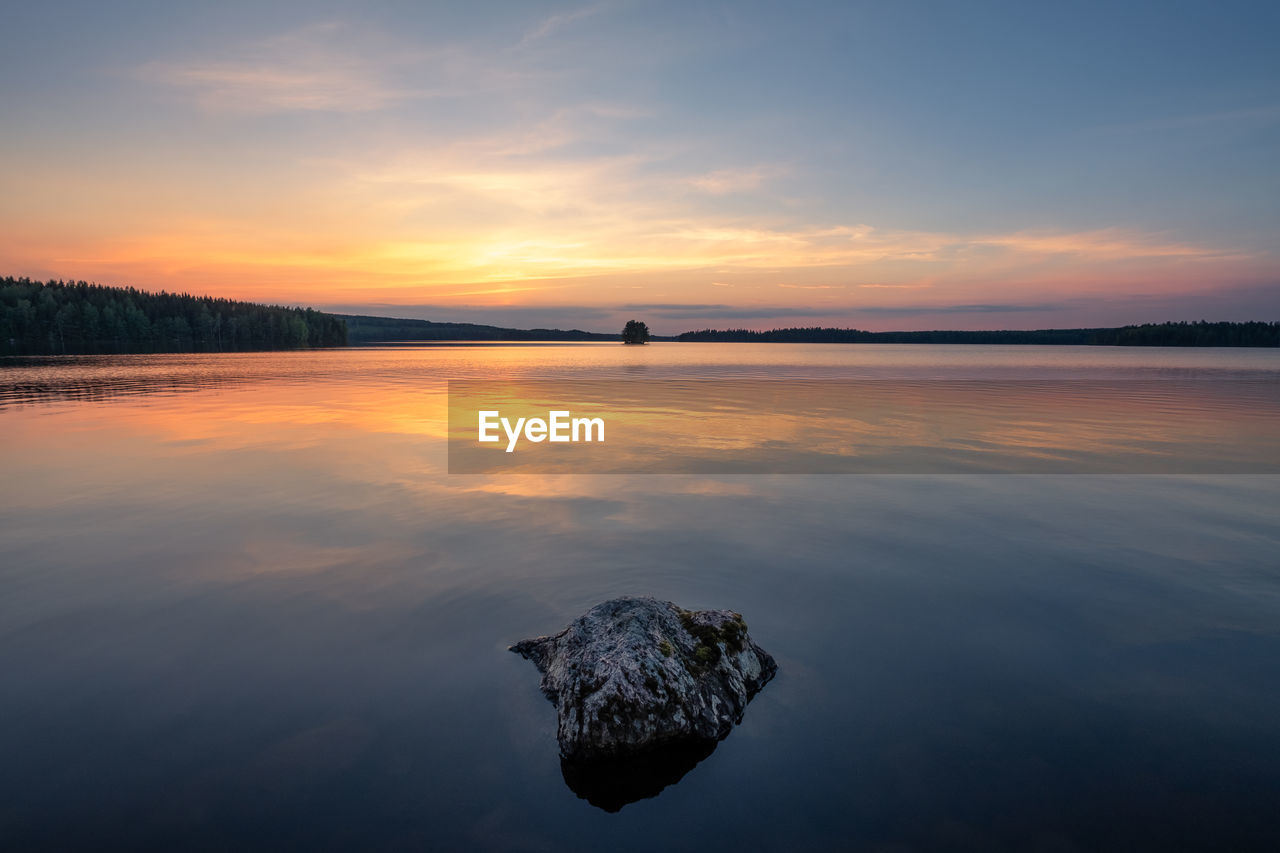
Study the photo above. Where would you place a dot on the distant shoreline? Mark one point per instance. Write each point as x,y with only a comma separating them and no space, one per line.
388,330
79,318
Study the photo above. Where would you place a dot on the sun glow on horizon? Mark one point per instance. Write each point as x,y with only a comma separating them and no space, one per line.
577,161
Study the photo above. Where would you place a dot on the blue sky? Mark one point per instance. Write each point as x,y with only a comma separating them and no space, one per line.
881,165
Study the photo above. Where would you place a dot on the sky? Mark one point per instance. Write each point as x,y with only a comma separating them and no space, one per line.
894,165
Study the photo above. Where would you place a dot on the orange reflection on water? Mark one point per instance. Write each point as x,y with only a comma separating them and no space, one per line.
910,426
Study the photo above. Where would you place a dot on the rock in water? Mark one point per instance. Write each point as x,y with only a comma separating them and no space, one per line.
633,674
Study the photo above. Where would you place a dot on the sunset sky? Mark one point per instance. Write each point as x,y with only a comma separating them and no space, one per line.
893,165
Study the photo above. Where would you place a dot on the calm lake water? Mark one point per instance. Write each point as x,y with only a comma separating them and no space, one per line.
244,606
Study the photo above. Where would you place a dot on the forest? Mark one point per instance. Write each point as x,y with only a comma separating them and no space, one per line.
57,317
1200,334
1197,334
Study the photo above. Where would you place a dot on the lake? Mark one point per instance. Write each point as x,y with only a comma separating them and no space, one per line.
244,605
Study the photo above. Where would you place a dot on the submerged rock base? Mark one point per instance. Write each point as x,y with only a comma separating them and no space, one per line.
637,674
611,783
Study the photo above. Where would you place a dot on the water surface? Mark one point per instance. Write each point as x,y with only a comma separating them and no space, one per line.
243,605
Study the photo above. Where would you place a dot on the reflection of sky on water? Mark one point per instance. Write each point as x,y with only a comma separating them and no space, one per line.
259,614
898,426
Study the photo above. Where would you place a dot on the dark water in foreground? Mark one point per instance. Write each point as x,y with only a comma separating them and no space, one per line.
242,606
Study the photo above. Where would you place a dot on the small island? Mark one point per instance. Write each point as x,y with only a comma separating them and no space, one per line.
635,332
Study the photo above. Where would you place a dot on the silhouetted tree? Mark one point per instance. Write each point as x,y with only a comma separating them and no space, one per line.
635,332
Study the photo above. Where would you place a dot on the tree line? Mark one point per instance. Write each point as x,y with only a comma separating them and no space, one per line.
1200,334
817,335
56,317
1183,334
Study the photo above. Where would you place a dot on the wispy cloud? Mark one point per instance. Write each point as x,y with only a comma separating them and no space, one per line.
694,311
327,67
560,316
673,306
993,308
1104,244
720,313
537,193
560,190
252,88
677,317
726,181
553,23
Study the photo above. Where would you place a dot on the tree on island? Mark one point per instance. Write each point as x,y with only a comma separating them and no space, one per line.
635,332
